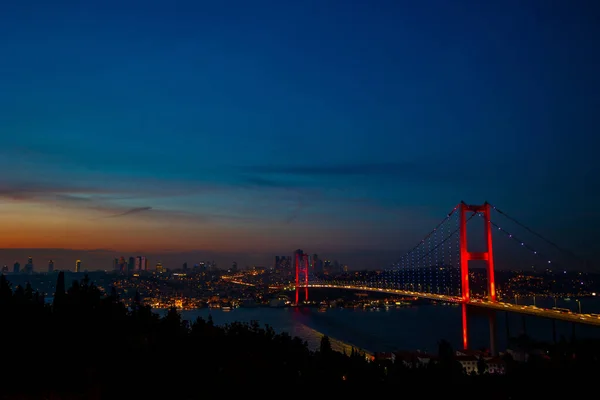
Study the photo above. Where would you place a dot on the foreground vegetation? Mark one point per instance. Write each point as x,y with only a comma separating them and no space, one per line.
89,345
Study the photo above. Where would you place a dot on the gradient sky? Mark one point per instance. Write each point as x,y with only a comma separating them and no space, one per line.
243,129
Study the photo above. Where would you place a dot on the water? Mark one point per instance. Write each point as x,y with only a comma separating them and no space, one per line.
406,328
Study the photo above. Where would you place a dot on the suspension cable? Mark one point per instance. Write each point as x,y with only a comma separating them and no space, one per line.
447,237
550,242
433,231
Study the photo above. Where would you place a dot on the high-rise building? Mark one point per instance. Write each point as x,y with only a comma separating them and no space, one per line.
122,265
5,269
234,267
144,264
29,265
159,267
78,266
16,267
50,266
283,265
317,265
138,263
327,267
131,264
185,267
115,264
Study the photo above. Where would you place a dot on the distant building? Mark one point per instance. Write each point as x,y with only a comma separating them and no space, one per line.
50,266
327,269
234,267
122,265
283,265
16,267
78,266
159,267
131,264
29,266
317,265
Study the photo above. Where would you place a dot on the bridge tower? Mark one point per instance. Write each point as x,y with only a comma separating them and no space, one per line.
466,255
302,263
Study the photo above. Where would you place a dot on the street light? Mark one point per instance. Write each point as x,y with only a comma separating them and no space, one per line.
516,303
579,303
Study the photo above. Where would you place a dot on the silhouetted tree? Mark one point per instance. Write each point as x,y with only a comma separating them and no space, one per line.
103,326
5,290
60,292
325,346
28,291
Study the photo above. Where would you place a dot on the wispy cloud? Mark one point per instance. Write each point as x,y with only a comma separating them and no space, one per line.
432,171
129,212
295,212
335,169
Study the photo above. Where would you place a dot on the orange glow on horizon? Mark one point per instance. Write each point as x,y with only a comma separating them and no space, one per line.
32,225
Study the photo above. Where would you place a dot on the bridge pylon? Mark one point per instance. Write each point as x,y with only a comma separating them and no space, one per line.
466,255
302,263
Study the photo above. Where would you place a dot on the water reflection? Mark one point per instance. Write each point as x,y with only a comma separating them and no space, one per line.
406,328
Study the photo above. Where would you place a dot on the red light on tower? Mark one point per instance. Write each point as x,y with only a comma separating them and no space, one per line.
466,255
301,274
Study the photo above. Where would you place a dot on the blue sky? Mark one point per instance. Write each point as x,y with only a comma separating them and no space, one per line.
259,127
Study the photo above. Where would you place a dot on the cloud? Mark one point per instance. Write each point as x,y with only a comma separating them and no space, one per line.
430,172
295,212
39,191
129,212
339,169
264,183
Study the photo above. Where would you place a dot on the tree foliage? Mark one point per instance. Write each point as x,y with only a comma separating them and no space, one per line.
89,345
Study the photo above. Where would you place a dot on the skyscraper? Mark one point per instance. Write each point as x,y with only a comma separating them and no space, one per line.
131,264
78,266
17,267
283,265
144,264
29,266
317,265
50,266
159,267
122,265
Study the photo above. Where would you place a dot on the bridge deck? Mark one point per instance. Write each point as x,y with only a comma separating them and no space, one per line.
588,319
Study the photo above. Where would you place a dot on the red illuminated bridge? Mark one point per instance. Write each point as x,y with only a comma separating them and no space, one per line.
437,268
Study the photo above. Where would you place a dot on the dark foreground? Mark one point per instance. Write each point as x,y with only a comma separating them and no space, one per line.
88,345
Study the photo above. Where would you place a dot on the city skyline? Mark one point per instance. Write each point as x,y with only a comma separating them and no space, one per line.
237,133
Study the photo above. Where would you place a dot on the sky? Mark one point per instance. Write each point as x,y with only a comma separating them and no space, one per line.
238,130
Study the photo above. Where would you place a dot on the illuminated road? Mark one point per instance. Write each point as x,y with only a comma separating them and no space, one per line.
588,319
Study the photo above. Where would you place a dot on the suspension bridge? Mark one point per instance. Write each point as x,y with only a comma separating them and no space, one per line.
437,268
